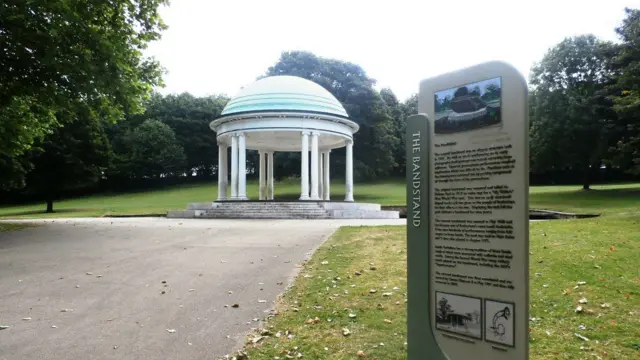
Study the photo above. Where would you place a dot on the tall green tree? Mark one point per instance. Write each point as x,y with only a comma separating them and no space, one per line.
150,151
72,156
572,122
189,117
399,126
349,83
62,57
627,93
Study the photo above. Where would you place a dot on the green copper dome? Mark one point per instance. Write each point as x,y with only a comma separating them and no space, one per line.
284,93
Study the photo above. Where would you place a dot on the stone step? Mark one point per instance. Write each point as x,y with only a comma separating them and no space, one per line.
247,213
262,216
283,210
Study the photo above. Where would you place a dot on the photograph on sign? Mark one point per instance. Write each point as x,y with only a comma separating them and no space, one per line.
468,107
459,314
499,322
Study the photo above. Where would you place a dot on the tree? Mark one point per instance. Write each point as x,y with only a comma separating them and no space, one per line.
476,316
189,117
73,155
627,93
348,82
399,126
570,127
461,91
444,308
151,150
61,58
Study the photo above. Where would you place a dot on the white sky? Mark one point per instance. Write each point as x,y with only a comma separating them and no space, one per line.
214,47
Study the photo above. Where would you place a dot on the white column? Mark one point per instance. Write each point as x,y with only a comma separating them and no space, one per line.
270,193
222,172
314,166
242,167
234,167
304,166
320,176
349,172
326,191
262,175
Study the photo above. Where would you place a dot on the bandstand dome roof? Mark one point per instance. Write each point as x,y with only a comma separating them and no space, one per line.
284,93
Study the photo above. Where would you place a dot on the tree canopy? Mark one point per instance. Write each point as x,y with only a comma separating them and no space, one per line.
61,57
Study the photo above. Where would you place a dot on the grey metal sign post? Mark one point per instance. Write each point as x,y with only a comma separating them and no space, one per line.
467,216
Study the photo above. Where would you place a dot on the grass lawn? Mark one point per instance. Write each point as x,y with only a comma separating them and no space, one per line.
176,198
603,252
6,227
565,198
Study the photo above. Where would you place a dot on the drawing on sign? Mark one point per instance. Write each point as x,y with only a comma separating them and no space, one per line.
468,107
499,322
459,314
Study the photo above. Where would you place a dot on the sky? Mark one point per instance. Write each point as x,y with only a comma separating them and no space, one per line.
217,47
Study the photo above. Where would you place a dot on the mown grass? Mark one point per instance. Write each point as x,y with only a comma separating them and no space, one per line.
6,227
602,254
332,291
564,198
177,197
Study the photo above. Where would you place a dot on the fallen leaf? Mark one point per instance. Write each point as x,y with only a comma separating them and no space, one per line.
583,338
257,339
612,248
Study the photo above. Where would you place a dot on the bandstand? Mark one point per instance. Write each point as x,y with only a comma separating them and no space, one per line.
283,114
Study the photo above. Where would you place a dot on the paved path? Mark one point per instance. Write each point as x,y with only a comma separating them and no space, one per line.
111,274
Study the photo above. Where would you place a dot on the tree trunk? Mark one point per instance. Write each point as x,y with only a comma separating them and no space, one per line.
49,205
586,178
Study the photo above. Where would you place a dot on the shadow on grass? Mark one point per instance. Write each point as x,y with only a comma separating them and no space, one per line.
625,195
43,212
